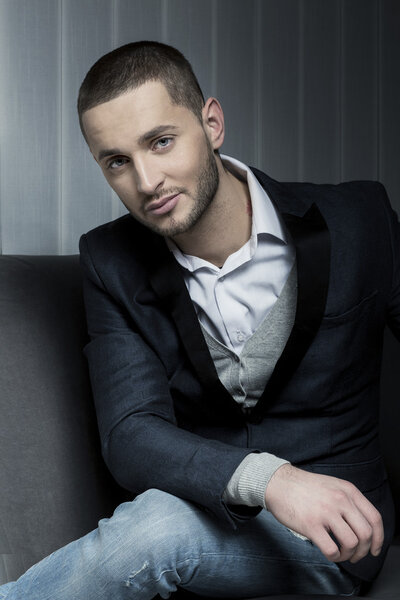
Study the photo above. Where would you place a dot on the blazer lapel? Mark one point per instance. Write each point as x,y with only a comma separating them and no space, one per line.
310,235
168,283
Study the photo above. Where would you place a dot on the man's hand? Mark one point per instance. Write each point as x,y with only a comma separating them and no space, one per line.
318,505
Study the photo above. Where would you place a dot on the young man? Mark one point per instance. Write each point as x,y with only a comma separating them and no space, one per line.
236,330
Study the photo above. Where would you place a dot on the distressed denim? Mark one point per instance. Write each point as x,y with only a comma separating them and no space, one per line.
158,542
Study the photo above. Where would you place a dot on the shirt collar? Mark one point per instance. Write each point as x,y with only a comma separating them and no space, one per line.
265,217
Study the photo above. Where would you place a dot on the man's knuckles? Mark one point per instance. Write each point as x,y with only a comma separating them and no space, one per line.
375,519
327,546
365,534
333,555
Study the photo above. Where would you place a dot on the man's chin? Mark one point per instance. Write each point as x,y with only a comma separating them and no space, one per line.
168,229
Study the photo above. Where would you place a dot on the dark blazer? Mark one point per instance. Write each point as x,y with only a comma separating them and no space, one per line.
165,419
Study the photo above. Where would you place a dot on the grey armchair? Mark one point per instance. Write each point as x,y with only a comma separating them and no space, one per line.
54,485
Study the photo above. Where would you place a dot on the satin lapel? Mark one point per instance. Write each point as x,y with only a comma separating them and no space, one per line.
168,283
310,235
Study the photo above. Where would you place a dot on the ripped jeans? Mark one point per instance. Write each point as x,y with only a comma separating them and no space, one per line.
159,542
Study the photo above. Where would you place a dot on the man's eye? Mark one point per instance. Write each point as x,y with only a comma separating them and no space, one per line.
117,163
163,142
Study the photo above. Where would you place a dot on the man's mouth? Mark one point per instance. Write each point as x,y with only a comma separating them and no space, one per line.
163,205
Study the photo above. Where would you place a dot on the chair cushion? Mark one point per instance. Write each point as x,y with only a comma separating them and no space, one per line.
387,585
54,485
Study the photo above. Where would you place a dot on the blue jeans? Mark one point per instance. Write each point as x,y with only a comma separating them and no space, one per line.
158,542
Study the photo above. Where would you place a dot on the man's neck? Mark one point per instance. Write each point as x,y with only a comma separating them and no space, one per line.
226,224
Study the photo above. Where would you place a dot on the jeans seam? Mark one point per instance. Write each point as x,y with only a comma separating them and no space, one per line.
224,554
264,557
157,579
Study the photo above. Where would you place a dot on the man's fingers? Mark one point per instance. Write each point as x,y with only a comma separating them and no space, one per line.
374,519
326,544
358,531
358,543
339,542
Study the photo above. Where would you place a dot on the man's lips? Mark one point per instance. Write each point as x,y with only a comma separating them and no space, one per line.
163,205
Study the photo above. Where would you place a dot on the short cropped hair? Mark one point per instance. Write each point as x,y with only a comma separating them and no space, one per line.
132,65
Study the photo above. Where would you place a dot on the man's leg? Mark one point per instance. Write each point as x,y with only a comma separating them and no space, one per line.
4,589
158,542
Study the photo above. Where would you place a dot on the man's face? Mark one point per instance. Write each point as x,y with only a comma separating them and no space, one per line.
156,156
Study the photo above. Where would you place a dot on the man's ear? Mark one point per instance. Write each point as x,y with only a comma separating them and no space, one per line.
213,122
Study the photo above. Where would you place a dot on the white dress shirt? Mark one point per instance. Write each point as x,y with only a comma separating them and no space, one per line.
231,301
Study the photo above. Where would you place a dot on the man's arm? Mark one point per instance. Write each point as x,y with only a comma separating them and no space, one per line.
141,443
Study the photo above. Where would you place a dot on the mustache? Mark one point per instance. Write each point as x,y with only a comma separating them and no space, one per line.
165,193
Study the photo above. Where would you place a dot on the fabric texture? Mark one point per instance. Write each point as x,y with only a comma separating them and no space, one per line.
249,481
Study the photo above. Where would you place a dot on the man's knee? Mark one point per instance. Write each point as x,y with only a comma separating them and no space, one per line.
154,524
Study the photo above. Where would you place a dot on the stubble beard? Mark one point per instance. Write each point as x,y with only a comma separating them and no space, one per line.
207,186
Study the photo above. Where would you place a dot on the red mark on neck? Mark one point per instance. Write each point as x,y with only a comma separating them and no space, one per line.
249,208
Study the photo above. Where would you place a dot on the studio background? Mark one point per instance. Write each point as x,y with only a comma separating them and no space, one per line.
310,90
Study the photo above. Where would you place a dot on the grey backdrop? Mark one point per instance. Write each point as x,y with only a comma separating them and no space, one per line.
310,88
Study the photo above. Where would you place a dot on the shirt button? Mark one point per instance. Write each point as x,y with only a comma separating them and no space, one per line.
239,335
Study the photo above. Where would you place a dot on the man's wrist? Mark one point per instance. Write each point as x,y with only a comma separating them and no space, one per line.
287,472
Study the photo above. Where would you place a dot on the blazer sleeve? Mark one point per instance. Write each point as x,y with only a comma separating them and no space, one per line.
393,307
141,443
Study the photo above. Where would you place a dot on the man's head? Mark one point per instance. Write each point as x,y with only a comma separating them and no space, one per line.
132,65
152,134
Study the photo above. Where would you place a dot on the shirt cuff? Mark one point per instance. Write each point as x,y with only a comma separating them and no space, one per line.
248,483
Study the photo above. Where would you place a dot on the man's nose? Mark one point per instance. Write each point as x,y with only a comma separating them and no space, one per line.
148,176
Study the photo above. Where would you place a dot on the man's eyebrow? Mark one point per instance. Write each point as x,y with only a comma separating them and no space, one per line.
110,152
149,135
155,132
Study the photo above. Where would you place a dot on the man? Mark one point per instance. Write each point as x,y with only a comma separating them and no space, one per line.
236,331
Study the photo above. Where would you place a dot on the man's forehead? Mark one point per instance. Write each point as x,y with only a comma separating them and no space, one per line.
136,113
147,98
